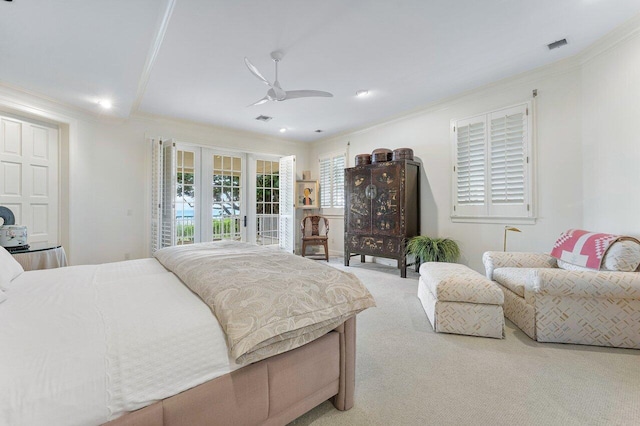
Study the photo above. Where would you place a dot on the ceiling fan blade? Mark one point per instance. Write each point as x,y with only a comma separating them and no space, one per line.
260,102
292,94
255,71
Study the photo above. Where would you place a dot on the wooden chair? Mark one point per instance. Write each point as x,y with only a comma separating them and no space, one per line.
315,231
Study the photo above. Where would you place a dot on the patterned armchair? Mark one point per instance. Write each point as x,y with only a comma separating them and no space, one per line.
551,304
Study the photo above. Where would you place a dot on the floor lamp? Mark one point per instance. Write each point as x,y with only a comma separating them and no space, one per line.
506,229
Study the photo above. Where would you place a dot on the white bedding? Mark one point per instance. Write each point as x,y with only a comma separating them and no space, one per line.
80,346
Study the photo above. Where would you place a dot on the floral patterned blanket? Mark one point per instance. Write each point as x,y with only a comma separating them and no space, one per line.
267,301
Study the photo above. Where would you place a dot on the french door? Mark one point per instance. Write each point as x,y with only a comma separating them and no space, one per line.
223,196
272,215
210,195
263,223
202,194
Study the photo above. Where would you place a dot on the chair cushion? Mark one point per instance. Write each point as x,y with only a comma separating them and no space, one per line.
512,278
314,237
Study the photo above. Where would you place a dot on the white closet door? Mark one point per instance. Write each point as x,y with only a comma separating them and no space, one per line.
287,211
29,178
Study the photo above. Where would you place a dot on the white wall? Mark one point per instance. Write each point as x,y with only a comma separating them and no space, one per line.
107,212
558,162
611,138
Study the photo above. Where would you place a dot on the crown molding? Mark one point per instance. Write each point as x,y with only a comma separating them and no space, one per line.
620,34
530,78
207,127
38,104
617,36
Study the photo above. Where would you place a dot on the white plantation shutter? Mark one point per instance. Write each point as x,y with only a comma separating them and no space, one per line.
168,210
156,194
337,192
508,156
492,171
332,181
325,182
163,190
287,235
471,162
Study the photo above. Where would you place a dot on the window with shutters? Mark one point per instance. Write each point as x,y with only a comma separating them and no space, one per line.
492,169
332,181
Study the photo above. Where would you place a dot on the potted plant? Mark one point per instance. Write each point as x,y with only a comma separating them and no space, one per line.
429,249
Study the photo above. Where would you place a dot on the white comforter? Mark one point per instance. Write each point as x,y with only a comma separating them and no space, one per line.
81,345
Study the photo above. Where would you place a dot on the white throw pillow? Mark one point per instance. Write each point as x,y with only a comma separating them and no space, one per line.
571,267
622,256
9,268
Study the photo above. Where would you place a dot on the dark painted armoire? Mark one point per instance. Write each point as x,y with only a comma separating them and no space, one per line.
382,210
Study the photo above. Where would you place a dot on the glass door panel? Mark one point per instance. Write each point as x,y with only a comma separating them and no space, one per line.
185,201
267,202
227,206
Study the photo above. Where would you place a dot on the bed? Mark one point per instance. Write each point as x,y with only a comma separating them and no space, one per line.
137,342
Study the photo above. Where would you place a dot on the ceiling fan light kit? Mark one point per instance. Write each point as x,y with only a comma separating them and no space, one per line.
276,93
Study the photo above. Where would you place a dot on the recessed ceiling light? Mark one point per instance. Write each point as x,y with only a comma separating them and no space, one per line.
361,93
105,103
282,130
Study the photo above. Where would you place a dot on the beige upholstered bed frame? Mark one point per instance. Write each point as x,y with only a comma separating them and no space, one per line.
273,391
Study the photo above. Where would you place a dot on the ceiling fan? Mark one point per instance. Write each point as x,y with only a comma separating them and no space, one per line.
275,92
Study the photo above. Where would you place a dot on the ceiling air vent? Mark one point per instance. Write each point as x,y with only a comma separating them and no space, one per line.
264,118
557,44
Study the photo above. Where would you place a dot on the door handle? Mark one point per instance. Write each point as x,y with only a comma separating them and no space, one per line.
245,221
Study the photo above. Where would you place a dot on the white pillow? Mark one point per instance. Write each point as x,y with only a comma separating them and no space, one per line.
622,256
9,268
571,267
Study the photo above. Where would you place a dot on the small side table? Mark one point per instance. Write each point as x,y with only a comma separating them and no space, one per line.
47,258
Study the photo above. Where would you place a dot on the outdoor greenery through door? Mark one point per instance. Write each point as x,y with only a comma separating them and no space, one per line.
226,186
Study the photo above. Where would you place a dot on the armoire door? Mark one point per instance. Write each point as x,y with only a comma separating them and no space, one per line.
386,212
359,192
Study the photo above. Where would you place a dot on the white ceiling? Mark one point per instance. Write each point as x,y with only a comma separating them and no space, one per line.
407,53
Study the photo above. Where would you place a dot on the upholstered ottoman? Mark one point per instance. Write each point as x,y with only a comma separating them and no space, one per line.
461,301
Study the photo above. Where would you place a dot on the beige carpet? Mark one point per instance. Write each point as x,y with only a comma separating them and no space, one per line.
407,374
